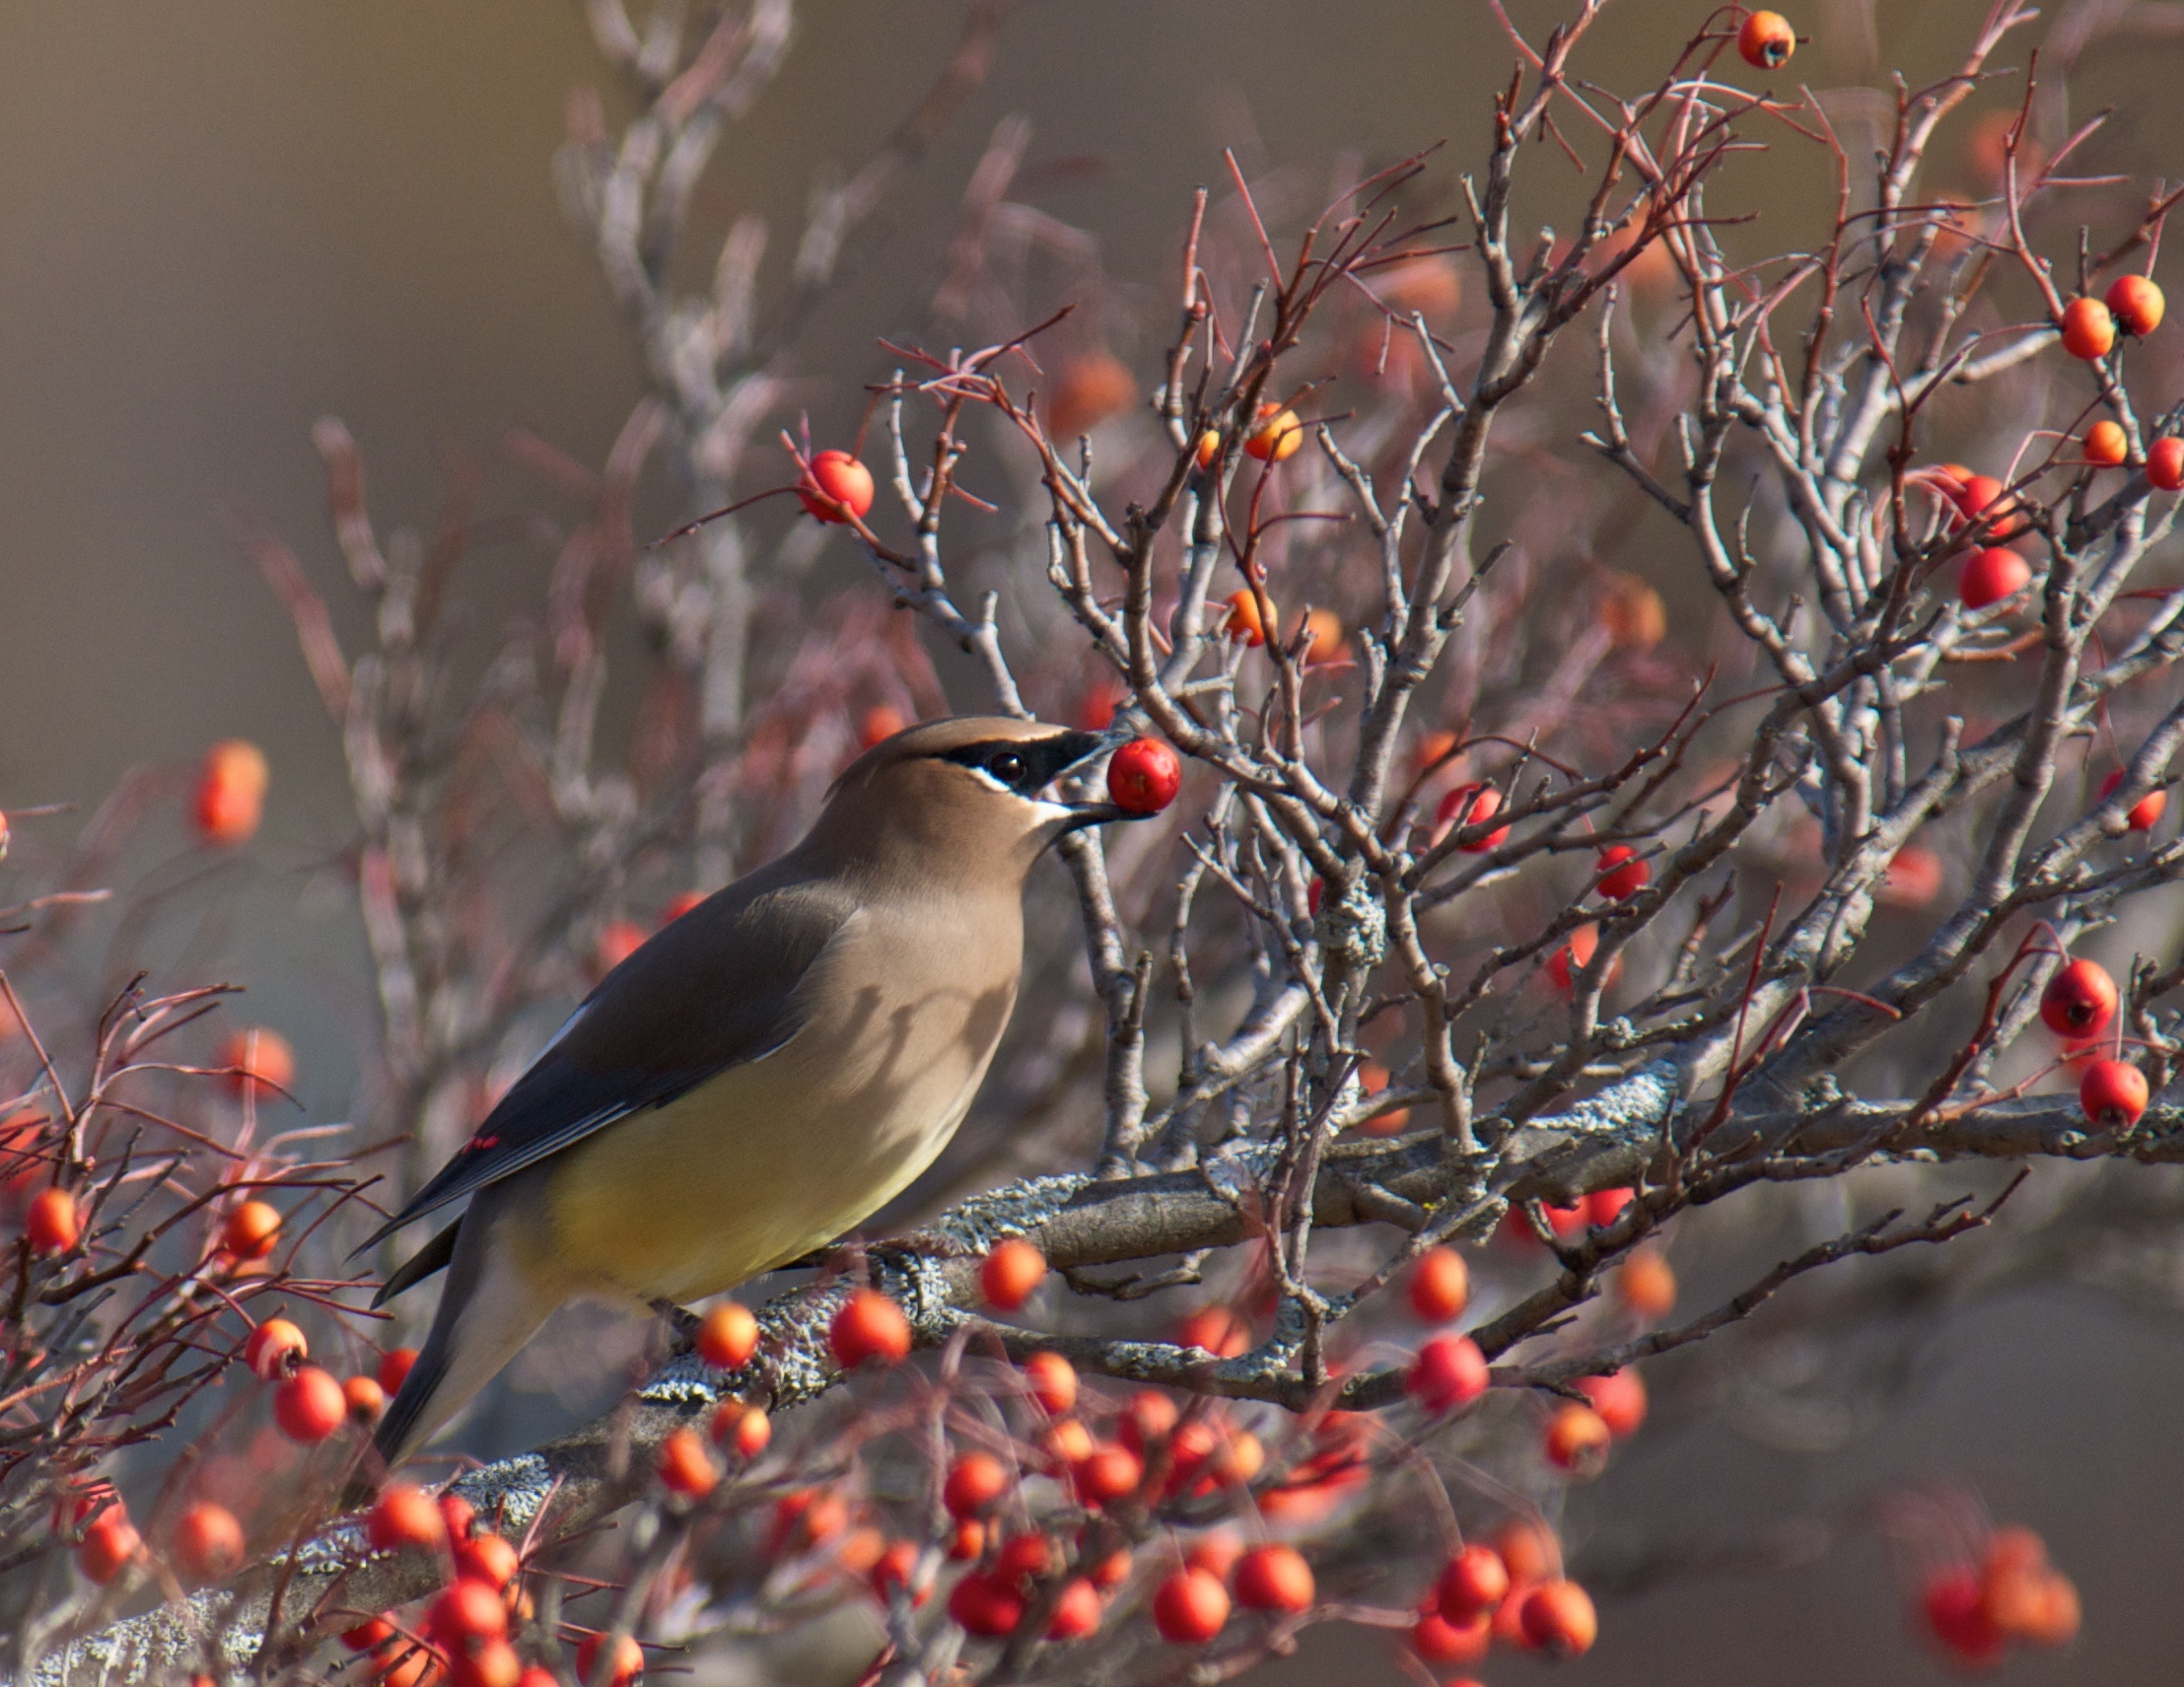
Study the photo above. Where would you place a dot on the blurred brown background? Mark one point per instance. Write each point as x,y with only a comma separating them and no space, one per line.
221,222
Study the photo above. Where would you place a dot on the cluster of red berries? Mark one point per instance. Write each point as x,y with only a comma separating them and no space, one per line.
1975,1612
2079,1005
1510,1594
310,1404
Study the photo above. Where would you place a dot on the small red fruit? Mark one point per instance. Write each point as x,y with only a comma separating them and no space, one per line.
891,1571
1620,1400
208,1542
1215,1553
1276,436
975,1484
1216,1330
1011,1271
686,1467
2143,814
405,1516
309,1406
2136,304
489,1559
985,1606
2165,463
1991,575
259,1061
836,482
1449,1371
1243,620
457,1516
1766,41
1956,1613
869,1326
1148,1418
1274,1578
877,724
2113,1094
2080,1000
1075,1610
1472,1586
1622,875
1112,1571
2088,330
1144,776
740,1430
1577,1440
1207,451
252,1230
231,792
109,1542
623,1665
1054,1382
1472,805
1574,956
1646,1285
729,1336
2106,444
1190,1609
1088,390
1439,1641
1558,1618
374,1632
1024,1557
365,1399
486,1663
52,1225
1440,1284
275,1348
468,1611
1107,1475
967,1542
394,1368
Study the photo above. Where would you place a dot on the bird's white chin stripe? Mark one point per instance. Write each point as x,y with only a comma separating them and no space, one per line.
1045,814
1051,814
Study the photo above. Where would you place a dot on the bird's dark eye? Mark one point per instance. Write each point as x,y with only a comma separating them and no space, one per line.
1006,767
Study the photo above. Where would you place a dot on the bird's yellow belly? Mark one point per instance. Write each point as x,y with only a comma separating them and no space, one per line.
747,1172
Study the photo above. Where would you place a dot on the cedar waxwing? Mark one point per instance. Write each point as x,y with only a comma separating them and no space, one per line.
764,1072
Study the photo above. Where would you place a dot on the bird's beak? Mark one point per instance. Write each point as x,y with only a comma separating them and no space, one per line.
1082,748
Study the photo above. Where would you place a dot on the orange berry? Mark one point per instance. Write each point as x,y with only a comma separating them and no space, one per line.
1068,1442
1527,1551
394,1367
1646,1285
1107,1475
259,1061
1577,1440
616,941
1988,576
1558,1618
1766,41
1148,1418
2165,463
869,1326
52,1223
416,1667
1631,610
1075,1610
487,1664
208,1542
1274,1578
686,1467
1440,1284
837,482
729,1336
1620,1400
109,1542
1054,1382
1215,1553
1437,1641
969,1541
274,1348
1012,1273
1276,436
1244,621
2080,1000
1112,1571
2135,302
364,1399
891,1571
1190,1609
1572,958
1086,391
309,1406
1472,1586
1912,878
1218,1331
405,1516
2113,1095
2105,443
468,1611
231,792
877,724
624,1663
490,1559
1373,1077
1207,451
975,1483
252,1230
1323,636
2143,815
1449,1371
2088,330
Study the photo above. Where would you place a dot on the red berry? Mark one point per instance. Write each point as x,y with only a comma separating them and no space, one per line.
2113,1094
2143,814
372,1632
985,1606
2136,304
1449,1371
869,1326
309,1406
394,1368
1558,1617
1571,959
2080,1000
404,1515
1472,1586
109,1542
1054,1382
1218,1331
686,1467
365,1398
52,1225
729,1336
741,1430
1646,1285
231,792
967,1542
1012,1272
2088,330
1440,1284
1620,1400
208,1542
892,1573
275,1348
1075,1611
1472,805
489,1559
259,1061
1439,1641
1215,1553
837,479
1025,1556
1112,1571
486,1663
877,724
1577,1439
1107,1475
1144,776
1190,1607
2165,463
1149,1416
1991,575
1274,1578
1622,875
975,1484
625,1663
252,1230
1956,1615
1766,41
457,1516
468,1611
1276,436
2106,445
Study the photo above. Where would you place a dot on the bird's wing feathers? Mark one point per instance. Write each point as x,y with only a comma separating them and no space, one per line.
717,988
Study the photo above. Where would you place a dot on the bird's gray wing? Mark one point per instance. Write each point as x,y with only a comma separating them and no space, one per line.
717,988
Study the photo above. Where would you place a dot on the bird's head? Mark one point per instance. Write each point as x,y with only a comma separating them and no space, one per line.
972,794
